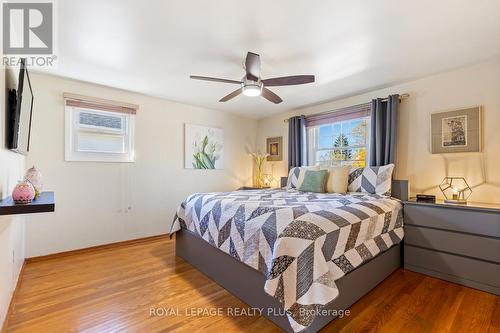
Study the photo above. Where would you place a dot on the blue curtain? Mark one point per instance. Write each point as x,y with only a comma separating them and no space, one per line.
384,117
296,142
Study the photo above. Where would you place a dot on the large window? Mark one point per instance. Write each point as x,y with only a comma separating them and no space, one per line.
339,143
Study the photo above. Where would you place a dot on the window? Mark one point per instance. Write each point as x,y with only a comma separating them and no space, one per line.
339,143
98,132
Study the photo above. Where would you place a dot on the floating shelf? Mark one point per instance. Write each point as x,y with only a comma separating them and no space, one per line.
43,204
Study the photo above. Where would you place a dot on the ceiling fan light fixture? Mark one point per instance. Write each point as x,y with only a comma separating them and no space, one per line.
252,90
251,83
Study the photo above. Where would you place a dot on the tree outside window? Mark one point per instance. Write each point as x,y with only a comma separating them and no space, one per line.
340,143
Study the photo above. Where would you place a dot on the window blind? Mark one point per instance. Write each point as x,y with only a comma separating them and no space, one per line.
347,113
99,104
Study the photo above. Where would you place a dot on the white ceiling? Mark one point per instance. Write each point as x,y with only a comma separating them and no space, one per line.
351,46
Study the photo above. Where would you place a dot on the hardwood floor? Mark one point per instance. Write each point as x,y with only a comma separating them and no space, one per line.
115,289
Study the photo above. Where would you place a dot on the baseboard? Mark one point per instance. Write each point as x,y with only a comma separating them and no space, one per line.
11,303
95,248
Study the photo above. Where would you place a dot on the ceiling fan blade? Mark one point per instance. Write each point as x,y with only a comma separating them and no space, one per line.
252,66
270,96
214,79
288,80
231,95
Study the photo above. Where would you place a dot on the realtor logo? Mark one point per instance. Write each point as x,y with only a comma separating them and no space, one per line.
27,28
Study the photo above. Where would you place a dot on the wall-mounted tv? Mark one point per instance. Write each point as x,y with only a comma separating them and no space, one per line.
20,106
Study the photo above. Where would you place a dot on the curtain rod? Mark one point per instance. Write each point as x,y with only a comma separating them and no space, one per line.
401,97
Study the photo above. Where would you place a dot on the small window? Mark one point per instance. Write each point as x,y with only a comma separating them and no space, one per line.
99,135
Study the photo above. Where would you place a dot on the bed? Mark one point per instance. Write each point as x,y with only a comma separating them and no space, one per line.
302,258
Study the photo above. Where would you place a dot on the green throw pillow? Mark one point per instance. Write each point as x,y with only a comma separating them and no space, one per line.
314,181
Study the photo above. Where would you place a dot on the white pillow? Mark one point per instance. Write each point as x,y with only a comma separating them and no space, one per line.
296,176
337,179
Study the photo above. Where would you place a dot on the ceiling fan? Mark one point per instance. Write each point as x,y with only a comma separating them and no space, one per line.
252,84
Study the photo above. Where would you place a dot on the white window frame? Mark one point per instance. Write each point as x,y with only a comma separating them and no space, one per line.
313,141
71,153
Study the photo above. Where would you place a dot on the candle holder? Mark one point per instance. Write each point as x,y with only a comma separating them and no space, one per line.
267,179
455,190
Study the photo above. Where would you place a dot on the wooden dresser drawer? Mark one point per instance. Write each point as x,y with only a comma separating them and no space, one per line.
456,219
478,274
485,248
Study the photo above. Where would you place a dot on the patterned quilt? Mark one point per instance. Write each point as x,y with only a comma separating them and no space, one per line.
302,242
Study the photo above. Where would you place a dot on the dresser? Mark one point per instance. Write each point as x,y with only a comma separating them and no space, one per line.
458,243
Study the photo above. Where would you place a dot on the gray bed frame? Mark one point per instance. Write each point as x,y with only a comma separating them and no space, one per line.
247,283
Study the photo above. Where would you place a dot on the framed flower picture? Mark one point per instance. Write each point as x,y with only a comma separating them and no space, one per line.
204,147
456,131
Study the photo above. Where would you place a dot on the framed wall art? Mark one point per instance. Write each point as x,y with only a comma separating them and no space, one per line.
274,147
204,147
457,131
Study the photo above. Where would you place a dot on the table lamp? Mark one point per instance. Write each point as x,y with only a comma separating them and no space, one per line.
455,190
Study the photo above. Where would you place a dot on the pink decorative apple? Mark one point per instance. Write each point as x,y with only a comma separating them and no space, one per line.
23,193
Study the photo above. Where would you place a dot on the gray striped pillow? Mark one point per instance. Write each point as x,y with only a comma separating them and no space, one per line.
295,173
371,179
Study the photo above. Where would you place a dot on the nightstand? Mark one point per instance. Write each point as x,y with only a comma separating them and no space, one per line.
243,188
457,243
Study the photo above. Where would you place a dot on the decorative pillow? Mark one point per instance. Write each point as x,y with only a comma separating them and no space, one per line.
295,173
371,179
337,179
314,181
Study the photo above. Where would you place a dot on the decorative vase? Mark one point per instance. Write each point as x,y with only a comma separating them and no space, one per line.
34,176
259,173
23,193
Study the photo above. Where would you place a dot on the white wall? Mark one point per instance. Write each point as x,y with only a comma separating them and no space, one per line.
474,85
11,227
92,199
